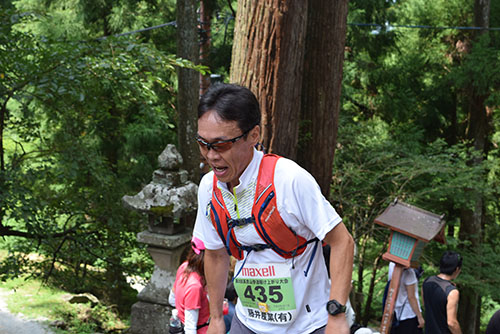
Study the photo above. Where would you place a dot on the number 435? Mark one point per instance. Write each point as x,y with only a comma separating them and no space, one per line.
259,292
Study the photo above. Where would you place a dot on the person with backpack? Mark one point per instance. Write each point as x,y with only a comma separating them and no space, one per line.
270,214
494,324
441,297
407,317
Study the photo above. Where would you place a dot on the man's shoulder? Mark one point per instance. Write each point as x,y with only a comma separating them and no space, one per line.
205,189
284,162
288,171
429,283
206,182
430,279
434,282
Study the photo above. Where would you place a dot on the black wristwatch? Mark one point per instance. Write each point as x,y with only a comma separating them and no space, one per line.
334,307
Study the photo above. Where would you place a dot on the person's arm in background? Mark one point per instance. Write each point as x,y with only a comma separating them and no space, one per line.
412,300
216,269
171,297
341,260
451,312
191,321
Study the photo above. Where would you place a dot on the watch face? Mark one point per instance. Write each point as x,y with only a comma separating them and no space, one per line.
332,308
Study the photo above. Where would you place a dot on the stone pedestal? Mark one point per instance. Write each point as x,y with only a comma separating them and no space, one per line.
151,314
149,318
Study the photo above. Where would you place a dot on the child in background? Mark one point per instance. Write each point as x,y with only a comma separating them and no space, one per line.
189,293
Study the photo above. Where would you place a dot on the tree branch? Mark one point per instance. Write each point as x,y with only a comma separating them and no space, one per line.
367,111
54,259
231,8
8,231
92,253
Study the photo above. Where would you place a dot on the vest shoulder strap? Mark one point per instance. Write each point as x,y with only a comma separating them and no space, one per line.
268,222
219,216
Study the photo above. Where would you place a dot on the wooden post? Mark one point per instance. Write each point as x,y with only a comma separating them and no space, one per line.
390,302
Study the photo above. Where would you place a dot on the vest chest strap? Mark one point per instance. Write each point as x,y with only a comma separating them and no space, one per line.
240,222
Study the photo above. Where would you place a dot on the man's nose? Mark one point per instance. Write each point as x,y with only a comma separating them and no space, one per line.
212,154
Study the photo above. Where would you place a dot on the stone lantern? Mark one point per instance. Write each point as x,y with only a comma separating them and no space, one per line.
168,200
411,229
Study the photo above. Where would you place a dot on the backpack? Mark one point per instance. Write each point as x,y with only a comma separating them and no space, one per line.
265,217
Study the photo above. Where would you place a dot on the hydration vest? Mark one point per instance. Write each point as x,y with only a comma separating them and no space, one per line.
265,218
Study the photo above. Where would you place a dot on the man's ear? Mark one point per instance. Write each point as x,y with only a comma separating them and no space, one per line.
254,135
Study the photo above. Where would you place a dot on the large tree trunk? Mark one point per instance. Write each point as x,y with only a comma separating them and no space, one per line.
321,88
187,97
472,219
470,230
3,113
268,53
206,10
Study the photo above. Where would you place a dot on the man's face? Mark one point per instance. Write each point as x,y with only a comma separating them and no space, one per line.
227,165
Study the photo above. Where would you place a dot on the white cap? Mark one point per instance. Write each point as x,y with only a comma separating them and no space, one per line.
363,330
175,313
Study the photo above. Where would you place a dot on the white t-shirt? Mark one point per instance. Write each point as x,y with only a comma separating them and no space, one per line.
304,209
403,308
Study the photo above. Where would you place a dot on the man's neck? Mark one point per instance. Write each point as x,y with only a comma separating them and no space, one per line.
445,277
230,185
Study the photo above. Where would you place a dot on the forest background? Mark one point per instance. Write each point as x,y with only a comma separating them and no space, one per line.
84,115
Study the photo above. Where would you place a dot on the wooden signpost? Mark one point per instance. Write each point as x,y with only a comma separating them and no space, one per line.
411,229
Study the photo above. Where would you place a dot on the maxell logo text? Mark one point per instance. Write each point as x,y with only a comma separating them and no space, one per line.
256,272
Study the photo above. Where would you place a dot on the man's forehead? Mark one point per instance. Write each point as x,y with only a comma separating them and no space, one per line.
212,127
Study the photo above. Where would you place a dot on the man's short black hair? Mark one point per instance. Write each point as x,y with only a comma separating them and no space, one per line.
232,103
450,261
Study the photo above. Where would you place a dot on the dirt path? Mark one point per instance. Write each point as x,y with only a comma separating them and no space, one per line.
16,324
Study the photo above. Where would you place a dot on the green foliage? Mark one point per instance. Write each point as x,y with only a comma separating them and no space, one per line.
83,121
222,31
404,129
36,300
86,319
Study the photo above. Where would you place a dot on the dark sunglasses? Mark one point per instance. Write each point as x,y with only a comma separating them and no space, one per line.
221,145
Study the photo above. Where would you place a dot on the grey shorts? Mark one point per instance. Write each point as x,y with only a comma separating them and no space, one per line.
238,328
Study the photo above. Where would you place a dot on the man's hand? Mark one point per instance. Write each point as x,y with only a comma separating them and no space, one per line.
421,322
217,326
337,324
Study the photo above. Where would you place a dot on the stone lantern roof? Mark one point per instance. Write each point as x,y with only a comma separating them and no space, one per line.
170,193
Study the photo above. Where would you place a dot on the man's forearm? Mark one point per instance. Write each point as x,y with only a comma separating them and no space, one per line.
341,260
216,269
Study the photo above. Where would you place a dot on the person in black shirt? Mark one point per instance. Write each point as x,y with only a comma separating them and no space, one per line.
441,297
494,324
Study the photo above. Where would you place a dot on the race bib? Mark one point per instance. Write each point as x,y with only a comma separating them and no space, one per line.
266,292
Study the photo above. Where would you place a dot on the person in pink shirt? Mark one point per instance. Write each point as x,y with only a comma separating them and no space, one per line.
190,291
